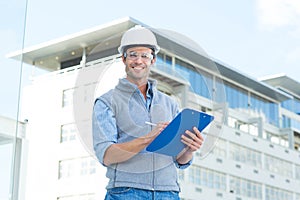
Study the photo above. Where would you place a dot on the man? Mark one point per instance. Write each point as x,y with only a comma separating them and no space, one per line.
121,132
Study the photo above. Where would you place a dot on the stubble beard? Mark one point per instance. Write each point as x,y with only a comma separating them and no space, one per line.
138,74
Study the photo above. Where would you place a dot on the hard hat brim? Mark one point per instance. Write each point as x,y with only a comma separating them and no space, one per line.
123,49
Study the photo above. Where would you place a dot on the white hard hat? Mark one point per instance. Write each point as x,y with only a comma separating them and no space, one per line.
138,36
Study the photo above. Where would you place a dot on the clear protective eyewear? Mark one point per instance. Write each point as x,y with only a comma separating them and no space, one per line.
132,55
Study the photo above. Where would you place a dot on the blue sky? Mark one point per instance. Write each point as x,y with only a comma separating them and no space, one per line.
256,37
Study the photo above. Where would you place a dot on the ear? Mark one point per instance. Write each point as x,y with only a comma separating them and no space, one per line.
123,59
153,61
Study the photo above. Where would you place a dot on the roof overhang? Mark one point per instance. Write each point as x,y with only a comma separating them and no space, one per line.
281,81
48,55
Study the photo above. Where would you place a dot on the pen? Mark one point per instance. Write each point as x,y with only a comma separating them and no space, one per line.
149,123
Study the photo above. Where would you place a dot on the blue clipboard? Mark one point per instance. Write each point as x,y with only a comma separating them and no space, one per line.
168,142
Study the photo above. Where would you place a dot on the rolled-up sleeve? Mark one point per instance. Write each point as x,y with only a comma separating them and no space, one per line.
104,129
182,166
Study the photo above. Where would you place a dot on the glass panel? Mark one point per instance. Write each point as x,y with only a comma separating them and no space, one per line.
236,97
290,123
68,133
201,82
274,193
245,155
266,108
206,177
246,188
12,28
278,166
292,105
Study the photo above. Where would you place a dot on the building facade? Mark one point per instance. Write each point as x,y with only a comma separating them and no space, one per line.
252,150
13,151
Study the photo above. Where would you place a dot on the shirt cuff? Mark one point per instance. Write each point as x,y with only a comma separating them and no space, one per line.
183,166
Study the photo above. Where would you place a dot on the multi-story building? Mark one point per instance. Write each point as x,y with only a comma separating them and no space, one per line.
13,151
256,134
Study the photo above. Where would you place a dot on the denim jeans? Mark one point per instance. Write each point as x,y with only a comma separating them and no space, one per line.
127,193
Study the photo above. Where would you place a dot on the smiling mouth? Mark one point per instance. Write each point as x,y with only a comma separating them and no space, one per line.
138,67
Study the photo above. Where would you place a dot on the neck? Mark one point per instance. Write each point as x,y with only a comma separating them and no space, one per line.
141,84
143,89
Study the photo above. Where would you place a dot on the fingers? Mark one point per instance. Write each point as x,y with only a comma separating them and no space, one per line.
162,124
193,139
158,128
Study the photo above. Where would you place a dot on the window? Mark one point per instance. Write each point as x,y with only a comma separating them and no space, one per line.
70,63
245,188
220,148
164,63
80,95
206,177
267,108
278,140
68,97
162,59
236,97
169,60
68,133
245,155
278,166
292,105
201,81
77,167
288,122
273,193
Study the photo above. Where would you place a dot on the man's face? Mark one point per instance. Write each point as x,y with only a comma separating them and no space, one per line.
138,61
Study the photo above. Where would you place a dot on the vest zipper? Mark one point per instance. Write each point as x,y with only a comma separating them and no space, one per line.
149,116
